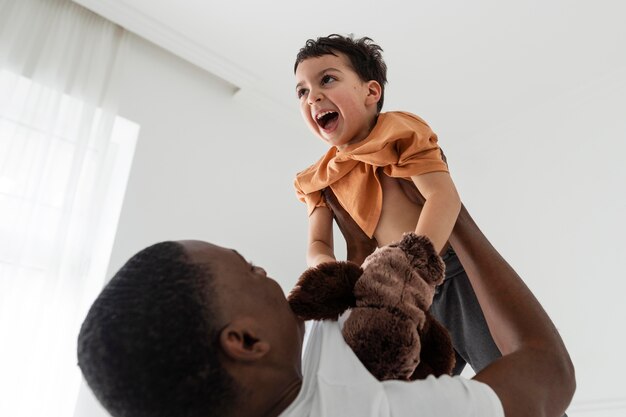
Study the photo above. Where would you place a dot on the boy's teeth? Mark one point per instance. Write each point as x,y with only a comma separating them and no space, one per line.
326,117
320,115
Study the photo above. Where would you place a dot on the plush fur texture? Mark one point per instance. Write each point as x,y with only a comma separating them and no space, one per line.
389,327
326,291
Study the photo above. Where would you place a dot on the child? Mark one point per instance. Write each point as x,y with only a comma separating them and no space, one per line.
372,158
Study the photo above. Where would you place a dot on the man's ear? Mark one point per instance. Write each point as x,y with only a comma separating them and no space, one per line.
374,90
241,342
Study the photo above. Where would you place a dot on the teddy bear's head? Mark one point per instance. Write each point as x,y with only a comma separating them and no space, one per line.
389,327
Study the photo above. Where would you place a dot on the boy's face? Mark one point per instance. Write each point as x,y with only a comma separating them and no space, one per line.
336,104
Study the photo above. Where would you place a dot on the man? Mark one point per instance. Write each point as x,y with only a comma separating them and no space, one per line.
192,329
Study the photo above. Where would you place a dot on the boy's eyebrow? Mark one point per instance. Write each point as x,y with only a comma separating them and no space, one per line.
319,74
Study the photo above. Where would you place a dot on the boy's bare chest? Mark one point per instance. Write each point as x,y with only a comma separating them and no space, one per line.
398,215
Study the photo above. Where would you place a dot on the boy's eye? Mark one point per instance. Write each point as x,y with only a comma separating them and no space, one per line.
327,79
301,92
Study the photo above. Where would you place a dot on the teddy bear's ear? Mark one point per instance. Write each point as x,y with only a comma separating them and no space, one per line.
423,257
325,291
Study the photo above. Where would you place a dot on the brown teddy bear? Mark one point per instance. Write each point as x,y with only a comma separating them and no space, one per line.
389,327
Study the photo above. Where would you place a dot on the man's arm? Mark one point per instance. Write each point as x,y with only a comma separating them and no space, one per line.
535,376
358,245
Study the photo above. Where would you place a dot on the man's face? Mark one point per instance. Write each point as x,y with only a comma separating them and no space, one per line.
335,103
246,290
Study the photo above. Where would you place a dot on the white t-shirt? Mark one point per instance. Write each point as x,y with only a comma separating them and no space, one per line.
335,383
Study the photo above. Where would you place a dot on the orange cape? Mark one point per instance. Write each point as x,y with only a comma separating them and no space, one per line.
401,144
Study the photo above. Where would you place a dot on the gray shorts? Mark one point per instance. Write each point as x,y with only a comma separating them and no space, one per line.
456,307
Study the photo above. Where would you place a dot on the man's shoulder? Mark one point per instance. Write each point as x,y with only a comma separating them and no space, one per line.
337,384
444,395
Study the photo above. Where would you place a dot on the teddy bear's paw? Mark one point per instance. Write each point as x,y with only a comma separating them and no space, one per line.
423,257
325,291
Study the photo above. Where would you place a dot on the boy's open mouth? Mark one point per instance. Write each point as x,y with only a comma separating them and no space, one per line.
327,119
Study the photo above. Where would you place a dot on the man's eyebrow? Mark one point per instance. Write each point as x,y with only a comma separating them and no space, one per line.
319,74
241,256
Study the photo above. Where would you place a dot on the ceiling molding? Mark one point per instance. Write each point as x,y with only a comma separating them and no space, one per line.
135,21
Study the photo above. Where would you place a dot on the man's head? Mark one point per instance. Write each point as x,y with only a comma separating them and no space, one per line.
181,330
340,84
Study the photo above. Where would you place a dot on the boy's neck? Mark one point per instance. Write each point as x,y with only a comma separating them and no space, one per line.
372,124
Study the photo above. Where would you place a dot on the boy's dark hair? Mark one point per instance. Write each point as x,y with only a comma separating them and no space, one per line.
149,344
365,56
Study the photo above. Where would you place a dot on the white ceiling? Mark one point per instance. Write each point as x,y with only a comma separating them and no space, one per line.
461,64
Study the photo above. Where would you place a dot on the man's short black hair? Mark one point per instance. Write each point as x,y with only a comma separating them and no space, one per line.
149,344
365,56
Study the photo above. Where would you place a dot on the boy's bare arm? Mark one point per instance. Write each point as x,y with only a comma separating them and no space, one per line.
535,376
440,209
320,244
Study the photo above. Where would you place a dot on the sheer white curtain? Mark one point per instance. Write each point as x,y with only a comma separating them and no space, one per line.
64,162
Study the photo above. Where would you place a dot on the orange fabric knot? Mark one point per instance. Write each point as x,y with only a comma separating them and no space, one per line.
401,144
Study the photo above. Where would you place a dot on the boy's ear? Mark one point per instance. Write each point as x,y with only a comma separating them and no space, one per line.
241,342
374,90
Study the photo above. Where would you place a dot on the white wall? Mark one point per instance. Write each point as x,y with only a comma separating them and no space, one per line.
209,165
546,186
